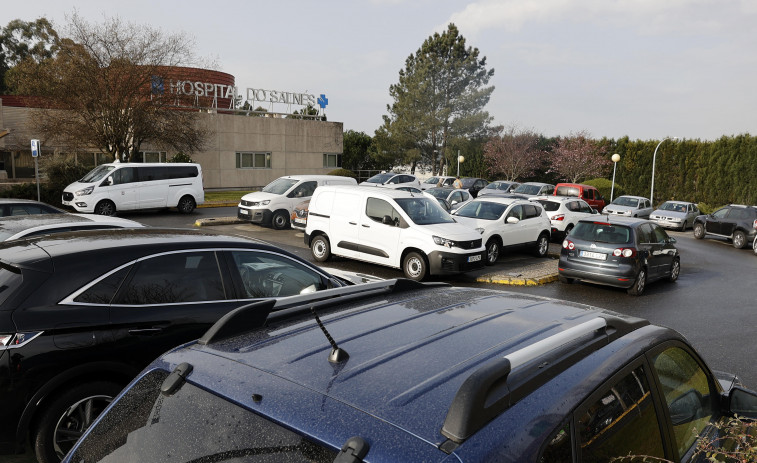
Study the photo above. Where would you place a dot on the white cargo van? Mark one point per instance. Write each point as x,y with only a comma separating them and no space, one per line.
275,203
109,188
395,228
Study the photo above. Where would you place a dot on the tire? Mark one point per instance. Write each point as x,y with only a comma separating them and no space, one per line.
739,239
684,226
639,284
320,248
67,417
414,266
754,246
542,245
186,204
564,280
492,251
280,220
105,207
698,231
568,229
675,270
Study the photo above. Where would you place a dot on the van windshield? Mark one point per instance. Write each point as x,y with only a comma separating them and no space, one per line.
424,211
97,174
279,186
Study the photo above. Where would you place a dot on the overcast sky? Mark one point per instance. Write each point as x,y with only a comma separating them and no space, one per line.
646,69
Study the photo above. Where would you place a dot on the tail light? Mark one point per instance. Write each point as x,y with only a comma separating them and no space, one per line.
567,244
624,252
755,224
561,217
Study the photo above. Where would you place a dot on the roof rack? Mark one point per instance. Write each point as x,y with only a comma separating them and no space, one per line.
498,385
259,313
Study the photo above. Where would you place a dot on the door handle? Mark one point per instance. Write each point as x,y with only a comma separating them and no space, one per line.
146,331
366,226
353,223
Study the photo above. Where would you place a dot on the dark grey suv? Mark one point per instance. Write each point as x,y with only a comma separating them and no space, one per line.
735,222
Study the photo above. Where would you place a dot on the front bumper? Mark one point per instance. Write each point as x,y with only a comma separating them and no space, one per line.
261,216
447,263
622,275
80,204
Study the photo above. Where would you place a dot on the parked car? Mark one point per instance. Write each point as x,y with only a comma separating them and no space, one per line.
25,226
529,189
433,182
392,178
455,197
83,312
113,187
735,222
388,227
14,206
622,252
678,215
499,186
507,223
588,193
564,212
274,204
473,185
629,206
397,371
299,217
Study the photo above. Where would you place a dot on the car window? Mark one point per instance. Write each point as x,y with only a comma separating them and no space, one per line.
174,278
482,210
303,190
456,196
589,194
583,207
104,290
124,175
720,213
531,211
549,206
423,211
601,232
644,233
266,274
516,211
572,206
621,420
659,234
377,209
738,213
558,448
465,195
190,425
687,394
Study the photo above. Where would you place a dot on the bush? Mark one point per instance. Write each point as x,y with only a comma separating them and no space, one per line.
343,173
605,187
181,157
707,209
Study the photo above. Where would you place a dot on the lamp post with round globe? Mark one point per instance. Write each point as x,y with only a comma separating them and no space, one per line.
459,160
615,158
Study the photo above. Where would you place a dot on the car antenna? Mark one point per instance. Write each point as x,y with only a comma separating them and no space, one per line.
337,355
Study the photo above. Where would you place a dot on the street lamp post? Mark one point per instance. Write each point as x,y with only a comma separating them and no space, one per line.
615,158
654,157
459,160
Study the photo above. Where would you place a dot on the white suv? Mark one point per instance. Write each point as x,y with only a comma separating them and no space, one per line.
507,222
564,212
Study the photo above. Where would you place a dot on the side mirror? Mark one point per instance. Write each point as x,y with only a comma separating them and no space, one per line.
453,203
387,220
672,240
108,181
742,402
512,220
594,211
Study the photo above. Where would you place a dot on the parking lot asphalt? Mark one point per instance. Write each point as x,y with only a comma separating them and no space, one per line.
526,271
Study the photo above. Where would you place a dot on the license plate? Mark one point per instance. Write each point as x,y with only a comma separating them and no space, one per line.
243,211
300,221
593,255
475,258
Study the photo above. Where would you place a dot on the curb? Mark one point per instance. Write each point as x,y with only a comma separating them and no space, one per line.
218,221
515,281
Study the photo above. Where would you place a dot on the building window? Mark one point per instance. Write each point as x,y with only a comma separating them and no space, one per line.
151,156
332,160
250,160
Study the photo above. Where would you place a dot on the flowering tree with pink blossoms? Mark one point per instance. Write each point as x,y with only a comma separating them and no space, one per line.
578,157
514,154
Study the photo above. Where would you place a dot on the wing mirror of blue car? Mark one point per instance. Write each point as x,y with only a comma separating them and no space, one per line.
742,402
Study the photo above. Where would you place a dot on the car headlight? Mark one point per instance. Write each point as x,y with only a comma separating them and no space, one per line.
265,203
85,191
443,241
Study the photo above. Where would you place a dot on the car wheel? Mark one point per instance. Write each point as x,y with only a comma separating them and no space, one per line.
186,204
675,270
414,266
320,248
698,231
684,226
105,207
280,220
564,280
568,229
639,284
754,246
492,251
739,239
68,416
542,245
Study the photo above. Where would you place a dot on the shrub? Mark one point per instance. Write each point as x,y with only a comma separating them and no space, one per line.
605,187
343,173
181,157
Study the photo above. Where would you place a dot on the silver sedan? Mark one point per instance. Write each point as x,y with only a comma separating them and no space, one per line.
678,215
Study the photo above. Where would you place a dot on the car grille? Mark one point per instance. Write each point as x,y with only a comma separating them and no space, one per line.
68,196
469,244
250,203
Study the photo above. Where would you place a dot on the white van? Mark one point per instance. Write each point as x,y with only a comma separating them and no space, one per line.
395,228
275,203
109,188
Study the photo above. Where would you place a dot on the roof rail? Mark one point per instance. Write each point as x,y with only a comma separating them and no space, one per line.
497,385
257,314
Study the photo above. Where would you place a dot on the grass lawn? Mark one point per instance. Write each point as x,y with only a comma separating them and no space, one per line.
225,195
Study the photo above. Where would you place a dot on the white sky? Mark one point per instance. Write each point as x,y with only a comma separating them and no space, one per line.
642,68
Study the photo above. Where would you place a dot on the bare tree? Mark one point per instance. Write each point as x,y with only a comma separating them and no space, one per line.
106,88
514,154
578,157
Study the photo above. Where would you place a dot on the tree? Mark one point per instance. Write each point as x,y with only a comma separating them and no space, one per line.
105,89
310,110
515,154
356,152
440,96
577,157
21,40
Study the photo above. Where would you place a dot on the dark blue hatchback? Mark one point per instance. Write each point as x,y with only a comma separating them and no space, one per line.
398,371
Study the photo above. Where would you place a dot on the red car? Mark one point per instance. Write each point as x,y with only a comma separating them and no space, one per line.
586,192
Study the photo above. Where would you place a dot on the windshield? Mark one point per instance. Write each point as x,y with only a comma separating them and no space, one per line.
279,186
424,211
468,182
497,186
674,207
528,189
438,193
380,178
600,232
97,174
482,210
626,201
567,191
